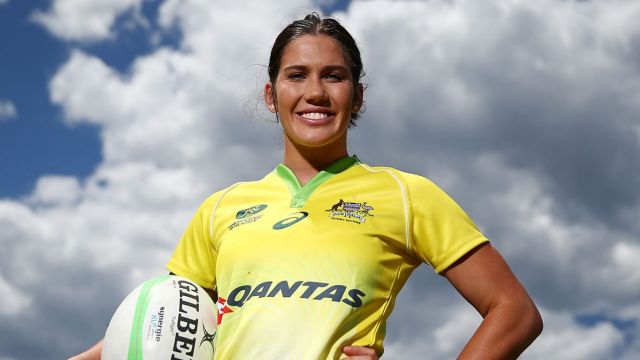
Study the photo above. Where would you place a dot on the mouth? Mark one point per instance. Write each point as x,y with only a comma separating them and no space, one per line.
315,116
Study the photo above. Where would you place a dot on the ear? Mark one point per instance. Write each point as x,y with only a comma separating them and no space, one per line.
358,97
269,97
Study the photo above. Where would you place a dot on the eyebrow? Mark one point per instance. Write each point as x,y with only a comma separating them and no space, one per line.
324,68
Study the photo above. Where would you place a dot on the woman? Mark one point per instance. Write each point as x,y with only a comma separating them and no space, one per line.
306,263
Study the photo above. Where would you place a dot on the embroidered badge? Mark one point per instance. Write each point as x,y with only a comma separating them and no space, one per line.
355,212
248,215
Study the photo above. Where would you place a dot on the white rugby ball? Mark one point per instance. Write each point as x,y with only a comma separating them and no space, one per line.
167,317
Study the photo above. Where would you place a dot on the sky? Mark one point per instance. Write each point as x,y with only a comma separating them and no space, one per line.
117,118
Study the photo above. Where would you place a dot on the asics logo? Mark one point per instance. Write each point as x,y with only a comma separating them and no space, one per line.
293,219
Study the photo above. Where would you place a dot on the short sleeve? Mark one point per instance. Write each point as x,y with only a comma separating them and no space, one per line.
441,231
195,256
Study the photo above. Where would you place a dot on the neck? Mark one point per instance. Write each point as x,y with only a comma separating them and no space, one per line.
305,162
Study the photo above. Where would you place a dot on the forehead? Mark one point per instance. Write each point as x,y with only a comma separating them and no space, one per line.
310,50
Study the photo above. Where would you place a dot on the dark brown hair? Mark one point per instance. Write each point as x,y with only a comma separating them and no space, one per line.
313,24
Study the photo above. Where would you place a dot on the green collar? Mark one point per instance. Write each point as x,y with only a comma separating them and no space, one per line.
300,194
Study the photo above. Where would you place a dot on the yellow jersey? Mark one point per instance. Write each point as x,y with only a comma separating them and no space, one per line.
302,271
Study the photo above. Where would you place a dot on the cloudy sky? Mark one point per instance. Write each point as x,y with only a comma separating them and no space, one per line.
118,117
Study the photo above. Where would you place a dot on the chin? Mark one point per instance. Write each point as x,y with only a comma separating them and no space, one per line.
319,141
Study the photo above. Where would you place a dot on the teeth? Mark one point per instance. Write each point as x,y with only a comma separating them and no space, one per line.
314,115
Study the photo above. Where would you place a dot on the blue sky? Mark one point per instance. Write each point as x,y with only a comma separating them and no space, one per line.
36,142
526,113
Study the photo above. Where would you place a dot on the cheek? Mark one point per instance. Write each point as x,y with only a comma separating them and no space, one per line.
285,95
344,97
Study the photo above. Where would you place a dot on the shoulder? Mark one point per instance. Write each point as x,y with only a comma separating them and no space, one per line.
410,181
238,189
420,193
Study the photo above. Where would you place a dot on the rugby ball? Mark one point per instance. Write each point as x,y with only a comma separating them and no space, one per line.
167,317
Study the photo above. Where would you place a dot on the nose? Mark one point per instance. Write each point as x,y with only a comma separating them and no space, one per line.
315,92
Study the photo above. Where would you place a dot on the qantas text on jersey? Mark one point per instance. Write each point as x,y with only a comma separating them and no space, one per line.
301,289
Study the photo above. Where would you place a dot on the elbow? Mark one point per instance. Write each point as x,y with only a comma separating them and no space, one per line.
529,327
532,321
526,323
538,323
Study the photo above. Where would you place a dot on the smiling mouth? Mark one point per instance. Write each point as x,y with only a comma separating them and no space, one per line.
315,115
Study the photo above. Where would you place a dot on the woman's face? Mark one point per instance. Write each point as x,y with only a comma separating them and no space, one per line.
314,93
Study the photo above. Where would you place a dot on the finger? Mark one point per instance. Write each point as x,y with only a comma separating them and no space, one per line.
359,353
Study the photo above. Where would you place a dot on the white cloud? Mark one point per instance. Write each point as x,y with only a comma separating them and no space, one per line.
623,266
56,191
438,339
521,112
511,132
14,301
8,110
537,238
451,336
84,20
169,96
564,338
4,2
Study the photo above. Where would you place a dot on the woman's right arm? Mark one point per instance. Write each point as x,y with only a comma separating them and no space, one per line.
93,353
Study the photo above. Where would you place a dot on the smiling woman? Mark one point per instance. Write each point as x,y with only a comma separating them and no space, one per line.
314,96
314,89
307,262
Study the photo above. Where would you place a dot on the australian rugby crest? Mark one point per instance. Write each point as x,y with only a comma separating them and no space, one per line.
248,215
356,212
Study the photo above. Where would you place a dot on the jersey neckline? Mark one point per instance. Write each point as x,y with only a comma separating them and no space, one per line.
300,194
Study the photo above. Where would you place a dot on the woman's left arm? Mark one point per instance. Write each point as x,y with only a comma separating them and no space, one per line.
511,320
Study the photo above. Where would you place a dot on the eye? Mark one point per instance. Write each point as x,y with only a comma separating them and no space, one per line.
296,76
334,77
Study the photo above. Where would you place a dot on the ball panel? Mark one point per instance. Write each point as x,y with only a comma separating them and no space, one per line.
117,337
142,306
